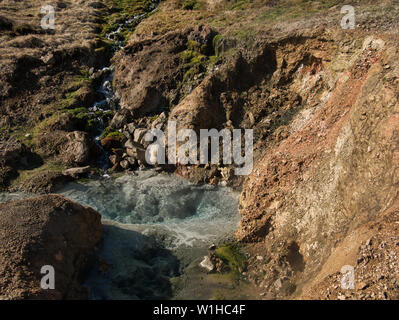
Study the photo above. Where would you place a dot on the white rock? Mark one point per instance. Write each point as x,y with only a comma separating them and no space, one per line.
207,264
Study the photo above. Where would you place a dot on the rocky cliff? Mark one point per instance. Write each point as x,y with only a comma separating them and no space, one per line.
323,104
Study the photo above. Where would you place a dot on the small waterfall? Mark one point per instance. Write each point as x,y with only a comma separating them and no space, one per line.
108,101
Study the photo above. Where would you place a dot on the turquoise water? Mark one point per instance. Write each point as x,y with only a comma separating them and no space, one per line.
154,226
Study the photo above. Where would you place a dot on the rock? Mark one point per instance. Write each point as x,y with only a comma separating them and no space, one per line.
47,230
138,135
138,154
61,5
14,155
214,181
154,68
85,96
278,284
362,285
130,144
97,5
48,58
159,122
207,264
126,133
203,36
121,118
113,159
110,143
131,127
77,172
124,164
131,160
79,150
212,247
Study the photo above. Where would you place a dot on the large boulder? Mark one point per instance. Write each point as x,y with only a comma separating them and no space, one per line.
79,150
47,230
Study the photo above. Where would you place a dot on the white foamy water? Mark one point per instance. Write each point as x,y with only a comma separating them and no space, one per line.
150,203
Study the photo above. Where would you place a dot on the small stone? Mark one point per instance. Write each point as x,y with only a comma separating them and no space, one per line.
363,285
113,159
130,144
131,127
341,297
124,164
76,172
139,134
131,160
207,264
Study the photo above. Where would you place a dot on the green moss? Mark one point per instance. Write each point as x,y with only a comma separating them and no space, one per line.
232,256
189,4
195,62
45,124
132,7
123,10
116,135
80,113
187,55
110,132
216,42
190,73
52,166
245,35
214,60
67,103
85,75
239,4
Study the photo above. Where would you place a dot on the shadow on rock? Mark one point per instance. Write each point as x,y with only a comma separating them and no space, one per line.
132,266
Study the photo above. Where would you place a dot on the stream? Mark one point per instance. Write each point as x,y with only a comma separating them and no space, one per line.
155,224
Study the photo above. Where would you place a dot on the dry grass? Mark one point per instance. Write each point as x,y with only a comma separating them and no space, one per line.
73,26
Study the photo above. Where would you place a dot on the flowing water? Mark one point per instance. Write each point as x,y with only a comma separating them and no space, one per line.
154,224
107,100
